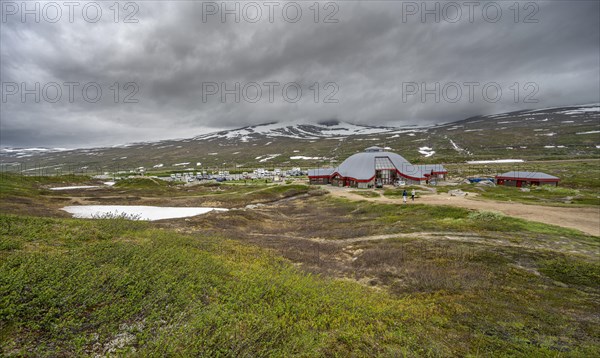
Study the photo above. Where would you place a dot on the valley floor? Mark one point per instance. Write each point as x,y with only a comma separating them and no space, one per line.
289,270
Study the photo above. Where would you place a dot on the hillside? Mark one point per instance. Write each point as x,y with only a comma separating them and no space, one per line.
554,133
361,279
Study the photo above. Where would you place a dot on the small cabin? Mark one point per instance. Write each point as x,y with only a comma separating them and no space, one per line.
519,179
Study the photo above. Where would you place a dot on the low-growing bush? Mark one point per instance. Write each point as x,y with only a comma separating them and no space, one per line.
366,193
558,190
117,216
571,271
485,215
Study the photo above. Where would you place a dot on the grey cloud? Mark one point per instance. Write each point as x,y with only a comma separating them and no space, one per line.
369,54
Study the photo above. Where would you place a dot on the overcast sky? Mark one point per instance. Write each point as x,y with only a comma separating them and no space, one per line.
371,62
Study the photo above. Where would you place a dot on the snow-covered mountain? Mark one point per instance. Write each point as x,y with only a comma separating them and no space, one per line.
320,130
558,133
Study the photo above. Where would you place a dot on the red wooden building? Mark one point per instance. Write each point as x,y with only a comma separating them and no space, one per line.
520,179
364,169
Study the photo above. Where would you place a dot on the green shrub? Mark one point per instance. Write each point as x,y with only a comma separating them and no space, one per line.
366,193
559,190
486,216
571,271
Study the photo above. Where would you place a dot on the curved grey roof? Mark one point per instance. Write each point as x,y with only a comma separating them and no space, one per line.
320,172
361,166
528,175
374,149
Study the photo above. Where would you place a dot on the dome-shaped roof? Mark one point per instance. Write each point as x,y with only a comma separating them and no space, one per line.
374,149
361,166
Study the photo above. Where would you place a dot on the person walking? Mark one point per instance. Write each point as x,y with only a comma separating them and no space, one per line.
404,196
412,195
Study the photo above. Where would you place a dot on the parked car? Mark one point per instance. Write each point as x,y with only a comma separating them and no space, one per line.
379,184
399,183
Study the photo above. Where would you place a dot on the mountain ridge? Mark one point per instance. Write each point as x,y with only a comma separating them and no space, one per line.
560,132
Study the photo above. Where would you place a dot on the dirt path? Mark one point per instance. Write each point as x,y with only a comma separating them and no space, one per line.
586,219
422,235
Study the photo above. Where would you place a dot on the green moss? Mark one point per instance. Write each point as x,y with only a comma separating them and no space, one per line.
20,185
366,193
571,272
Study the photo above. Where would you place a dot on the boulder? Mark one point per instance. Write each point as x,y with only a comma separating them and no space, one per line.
254,206
456,192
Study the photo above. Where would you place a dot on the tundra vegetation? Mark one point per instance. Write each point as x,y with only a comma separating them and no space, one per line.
290,271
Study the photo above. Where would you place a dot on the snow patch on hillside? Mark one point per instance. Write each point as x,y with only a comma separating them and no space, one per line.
495,161
268,157
426,151
301,157
34,150
581,110
75,187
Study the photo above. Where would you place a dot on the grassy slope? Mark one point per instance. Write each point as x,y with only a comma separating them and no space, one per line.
65,286
578,185
394,218
545,195
30,195
576,174
80,287
20,185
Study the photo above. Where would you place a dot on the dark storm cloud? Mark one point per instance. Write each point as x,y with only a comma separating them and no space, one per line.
370,54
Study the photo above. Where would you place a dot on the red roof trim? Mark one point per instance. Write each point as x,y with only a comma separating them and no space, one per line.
373,177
